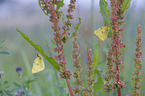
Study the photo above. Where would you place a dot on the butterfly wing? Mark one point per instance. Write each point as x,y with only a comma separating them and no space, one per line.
38,64
102,32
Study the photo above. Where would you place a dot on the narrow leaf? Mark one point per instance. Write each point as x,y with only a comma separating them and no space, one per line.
6,87
96,54
16,84
63,18
77,27
60,4
31,79
51,60
5,84
58,87
3,52
53,42
39,2
133,84
15,89
110,33
0,85
99,85
126,5
2,94
105,12
8,93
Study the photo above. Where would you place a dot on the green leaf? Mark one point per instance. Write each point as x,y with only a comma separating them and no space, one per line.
26,93
16,84
78,73
64,38
133,84
63,18
5,84
31,79
1,91
110,33
125,5
3,52
2,42
62,91
8,93
58,87
96,54
0,85
105,12
60,4
15,89
77,27
39,3
6,87
42,8
2,94
121,50
51,60
99,85
53,42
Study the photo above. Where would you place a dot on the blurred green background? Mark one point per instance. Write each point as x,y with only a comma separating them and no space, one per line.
27,16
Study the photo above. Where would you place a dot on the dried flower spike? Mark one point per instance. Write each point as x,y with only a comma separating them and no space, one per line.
137,62
88,91
113,61
76,64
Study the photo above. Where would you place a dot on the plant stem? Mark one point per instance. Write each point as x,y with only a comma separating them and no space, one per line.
69,87
119,93
68,83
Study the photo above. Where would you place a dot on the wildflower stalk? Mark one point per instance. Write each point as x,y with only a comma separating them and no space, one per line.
137,62
60,38
88,91
113,61
76,64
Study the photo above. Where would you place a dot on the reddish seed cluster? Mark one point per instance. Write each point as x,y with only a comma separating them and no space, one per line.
65,74
118,84
76,64
113,61
69,16
137,61
88,91
49,7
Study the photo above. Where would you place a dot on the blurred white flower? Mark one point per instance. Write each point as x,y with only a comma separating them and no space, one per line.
1,73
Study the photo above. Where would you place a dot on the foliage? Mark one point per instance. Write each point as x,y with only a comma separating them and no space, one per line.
3,89
92,84
3,52
40,50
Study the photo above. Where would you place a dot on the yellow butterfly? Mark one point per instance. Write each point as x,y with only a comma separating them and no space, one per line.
38,64
102,32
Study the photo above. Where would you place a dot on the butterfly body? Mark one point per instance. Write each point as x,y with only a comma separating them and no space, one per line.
38,64
102,32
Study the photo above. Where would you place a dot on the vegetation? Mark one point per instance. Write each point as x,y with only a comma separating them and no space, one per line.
102,69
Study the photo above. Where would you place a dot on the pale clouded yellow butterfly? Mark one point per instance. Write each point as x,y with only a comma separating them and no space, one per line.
38,64
102,32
